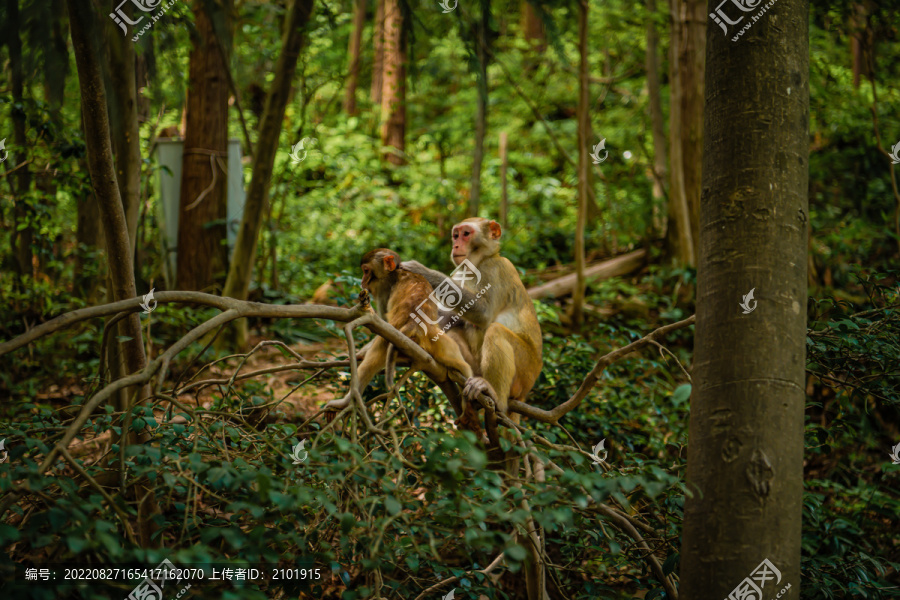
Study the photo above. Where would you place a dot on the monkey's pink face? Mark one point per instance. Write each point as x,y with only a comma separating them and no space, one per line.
464,237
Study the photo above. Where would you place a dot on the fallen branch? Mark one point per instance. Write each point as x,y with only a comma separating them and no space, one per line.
614,267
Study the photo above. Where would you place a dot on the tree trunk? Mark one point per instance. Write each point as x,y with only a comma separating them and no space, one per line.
126,142
202,211
657,121
584,162
680,238
359,22
82,21
533,28
378,59
481,41
691,60
238,282
504,195
21,239
745,458
393,90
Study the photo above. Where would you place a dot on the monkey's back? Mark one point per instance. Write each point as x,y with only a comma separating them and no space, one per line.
413,298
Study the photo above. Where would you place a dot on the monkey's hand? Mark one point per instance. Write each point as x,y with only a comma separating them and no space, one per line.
335,406
435,278
476,386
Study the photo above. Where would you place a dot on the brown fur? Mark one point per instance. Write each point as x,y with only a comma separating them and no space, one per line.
501,329
398,294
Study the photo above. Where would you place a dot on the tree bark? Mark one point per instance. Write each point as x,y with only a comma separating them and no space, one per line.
393,91
745,458
123,118
21,239
203,203
657,122
378,58
584,163
680,232
691,59
238,283
359,22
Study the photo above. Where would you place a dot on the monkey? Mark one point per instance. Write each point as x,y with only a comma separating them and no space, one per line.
500,329
398,295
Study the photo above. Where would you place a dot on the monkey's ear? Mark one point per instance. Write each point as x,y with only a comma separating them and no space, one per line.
389,264
495,230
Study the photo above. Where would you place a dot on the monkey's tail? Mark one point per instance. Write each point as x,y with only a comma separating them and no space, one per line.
390,366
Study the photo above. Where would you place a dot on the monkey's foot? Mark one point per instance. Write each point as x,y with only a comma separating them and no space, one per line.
335,406
475,386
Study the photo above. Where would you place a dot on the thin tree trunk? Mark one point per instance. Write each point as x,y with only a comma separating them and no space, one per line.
359,22
118,247
238,283
680,239
124,125
657,121
504,195
202,254
378,59
481,41
691,60
745,459
393,91
21,238
584,163
532,28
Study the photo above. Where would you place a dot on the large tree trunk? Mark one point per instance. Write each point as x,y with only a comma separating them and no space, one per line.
691,59
202,253
481,41
126,144
745,458
393,90
378,58
82,22
21,239
657,122
680,233
359,22
584,162
238,283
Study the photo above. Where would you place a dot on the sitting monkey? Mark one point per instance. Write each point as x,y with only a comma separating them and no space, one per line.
398,294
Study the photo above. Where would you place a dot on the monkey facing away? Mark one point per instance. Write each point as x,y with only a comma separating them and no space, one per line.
501,329
398,293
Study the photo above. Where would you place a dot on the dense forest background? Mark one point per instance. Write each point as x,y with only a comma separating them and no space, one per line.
290,138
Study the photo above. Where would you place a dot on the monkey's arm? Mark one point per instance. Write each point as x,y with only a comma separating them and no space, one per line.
479,311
